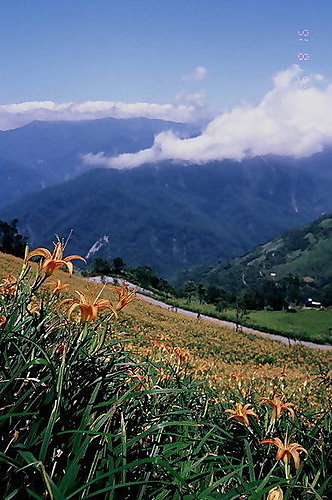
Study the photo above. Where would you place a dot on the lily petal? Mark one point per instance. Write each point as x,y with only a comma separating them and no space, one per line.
72,257
39,252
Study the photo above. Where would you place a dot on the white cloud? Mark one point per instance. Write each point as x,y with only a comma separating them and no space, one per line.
289,120
199,73
197,99
16,115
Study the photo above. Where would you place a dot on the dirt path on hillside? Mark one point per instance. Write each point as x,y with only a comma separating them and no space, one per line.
271,336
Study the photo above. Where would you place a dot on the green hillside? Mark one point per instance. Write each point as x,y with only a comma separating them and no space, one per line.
304,253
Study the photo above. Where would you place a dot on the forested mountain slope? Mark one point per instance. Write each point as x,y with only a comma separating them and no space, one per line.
305,253
174,216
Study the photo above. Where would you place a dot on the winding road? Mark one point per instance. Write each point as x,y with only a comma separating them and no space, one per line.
271,336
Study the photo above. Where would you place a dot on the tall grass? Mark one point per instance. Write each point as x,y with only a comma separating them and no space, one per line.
83,416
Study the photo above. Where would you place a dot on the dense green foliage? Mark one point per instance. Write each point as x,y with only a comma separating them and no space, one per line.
11,241
143,276
83,417
285,270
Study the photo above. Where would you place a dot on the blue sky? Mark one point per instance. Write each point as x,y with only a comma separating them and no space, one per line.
138,50
230,65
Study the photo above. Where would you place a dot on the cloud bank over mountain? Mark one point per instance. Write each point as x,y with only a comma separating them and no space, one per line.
293,119
16,115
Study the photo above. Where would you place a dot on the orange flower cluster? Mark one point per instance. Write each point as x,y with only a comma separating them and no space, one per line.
217,349
278,407
181,355
55,260
8,286
57,287
286,451
34,307
89,309
241,413
125,296
173,353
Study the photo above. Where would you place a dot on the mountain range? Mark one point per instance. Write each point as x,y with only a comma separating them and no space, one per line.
168,216
173,216
42,153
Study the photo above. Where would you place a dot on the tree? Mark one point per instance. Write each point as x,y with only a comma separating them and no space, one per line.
101,267
11,241
201,291
189,290
118,265
291,288
327,295
213,294
241,314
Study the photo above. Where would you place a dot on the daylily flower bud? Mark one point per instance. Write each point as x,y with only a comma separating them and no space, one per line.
275,494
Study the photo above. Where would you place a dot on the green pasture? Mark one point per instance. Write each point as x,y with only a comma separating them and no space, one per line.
304,324
307,324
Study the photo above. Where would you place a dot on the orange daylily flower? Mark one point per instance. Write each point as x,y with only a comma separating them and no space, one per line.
57,286
34,307
3,320
125,296
162,344
278,407
286,451
136,376
241,413
238,376
55,260
181,354
8,286
202,369
88,309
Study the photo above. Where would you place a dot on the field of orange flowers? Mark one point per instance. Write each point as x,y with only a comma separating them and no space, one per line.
226,359
221,357
102,394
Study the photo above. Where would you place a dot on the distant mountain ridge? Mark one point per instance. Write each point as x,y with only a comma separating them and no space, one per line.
172,217
16,180
42,153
